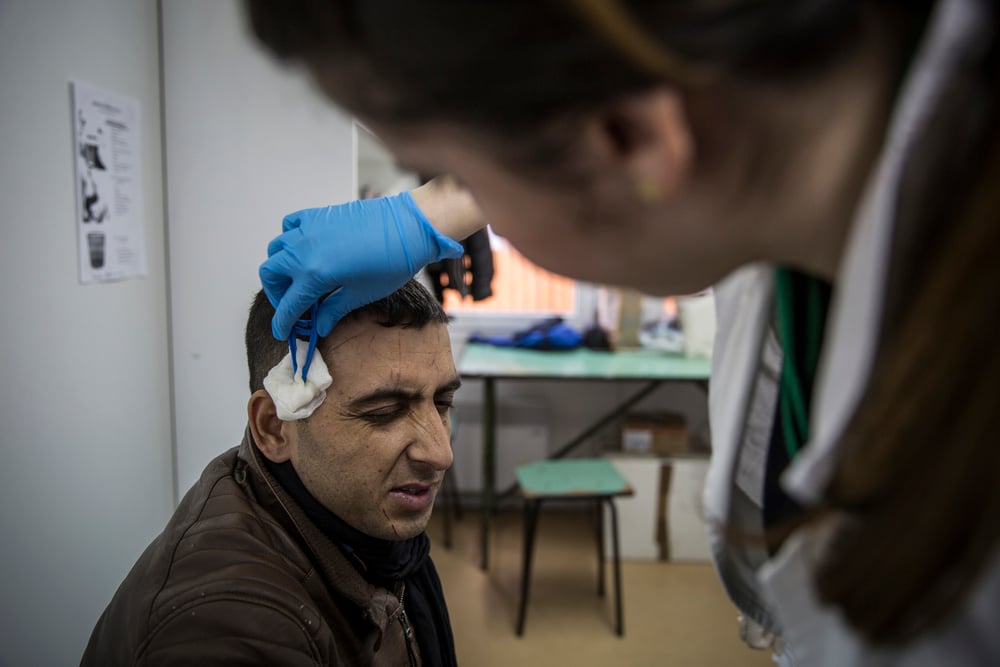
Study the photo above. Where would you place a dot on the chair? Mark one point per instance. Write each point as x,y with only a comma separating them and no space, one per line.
594,480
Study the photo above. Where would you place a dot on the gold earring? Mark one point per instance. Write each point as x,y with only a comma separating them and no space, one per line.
648,190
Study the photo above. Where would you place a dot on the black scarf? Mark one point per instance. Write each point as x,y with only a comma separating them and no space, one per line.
382,563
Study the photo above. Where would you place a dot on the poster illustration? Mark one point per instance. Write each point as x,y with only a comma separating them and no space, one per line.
110,233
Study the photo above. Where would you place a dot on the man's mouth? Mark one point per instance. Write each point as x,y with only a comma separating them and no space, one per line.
412,496
413,489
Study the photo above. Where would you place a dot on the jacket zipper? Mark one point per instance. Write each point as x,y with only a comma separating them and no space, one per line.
405,624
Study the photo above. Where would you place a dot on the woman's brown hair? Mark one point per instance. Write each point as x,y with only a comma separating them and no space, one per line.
918,487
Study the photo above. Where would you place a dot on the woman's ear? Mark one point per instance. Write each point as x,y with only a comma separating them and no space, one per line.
266,428
648,137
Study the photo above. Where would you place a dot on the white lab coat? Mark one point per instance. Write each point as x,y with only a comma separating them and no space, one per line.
777,593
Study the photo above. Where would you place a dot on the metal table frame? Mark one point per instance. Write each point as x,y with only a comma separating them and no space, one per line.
490,364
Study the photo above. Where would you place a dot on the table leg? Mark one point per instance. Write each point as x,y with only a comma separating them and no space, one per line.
619,623
615,413
599,519
489,464
531,508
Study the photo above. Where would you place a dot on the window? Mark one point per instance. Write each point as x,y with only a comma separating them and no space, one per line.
519,286
523,292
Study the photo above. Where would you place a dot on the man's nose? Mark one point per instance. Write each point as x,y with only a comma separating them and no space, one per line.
432,439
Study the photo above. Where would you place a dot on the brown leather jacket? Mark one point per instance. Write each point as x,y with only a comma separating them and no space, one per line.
241,576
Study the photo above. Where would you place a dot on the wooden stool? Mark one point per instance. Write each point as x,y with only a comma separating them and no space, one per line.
595,480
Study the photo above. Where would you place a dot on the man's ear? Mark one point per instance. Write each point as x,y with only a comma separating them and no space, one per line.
267,429
648,137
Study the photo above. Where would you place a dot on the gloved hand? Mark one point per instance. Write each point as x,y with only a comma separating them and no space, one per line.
356,253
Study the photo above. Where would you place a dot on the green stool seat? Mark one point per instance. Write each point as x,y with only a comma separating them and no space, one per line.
595,480
571,477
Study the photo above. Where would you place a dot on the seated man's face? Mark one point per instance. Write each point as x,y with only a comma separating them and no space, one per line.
375,452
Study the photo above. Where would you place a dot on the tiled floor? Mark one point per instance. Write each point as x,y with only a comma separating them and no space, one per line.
675,614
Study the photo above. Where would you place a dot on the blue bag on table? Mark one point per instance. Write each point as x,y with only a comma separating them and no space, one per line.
549,334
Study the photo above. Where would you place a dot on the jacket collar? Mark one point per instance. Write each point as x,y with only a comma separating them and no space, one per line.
379,605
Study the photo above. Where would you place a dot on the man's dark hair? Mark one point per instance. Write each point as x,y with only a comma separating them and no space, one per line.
409,306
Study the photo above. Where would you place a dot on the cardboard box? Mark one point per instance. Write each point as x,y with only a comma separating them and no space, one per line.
660,434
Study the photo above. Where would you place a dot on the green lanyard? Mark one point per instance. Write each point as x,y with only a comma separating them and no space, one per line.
793,410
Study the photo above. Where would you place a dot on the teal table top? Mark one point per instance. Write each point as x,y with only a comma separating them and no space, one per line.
481,360
572,477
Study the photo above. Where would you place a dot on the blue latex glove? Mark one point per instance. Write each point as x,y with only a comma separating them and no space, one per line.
356,253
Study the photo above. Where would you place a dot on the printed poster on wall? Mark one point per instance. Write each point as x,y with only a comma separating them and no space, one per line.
111,236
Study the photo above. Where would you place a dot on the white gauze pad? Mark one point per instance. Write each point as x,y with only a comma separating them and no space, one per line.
294,398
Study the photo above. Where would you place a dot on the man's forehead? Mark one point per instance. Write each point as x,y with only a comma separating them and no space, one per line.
365,332
369,355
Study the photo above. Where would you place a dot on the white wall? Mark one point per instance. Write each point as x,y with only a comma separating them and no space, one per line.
85,480
246,143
